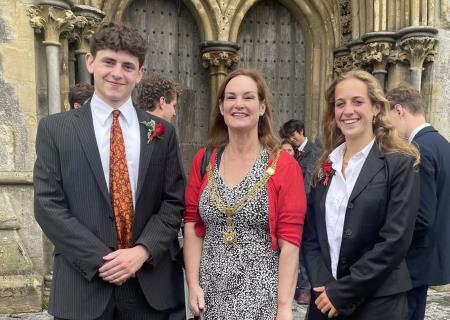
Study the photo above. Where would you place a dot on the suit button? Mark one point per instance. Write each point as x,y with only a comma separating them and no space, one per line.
350,205
347,233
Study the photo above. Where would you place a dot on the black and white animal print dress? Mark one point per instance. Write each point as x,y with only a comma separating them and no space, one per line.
239,282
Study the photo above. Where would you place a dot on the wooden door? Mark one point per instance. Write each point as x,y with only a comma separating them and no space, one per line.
272,41
173,40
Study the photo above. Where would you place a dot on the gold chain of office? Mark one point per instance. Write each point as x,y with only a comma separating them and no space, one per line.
229,235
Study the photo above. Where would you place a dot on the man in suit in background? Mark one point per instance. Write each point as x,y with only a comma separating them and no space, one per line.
109,195
305,153
79,94
428,258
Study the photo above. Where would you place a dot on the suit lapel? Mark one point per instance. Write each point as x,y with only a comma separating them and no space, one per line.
372,165
322,222
146,150
82,121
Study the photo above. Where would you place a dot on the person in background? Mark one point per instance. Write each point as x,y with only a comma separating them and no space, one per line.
428,257
79,94
287,146
244,214
158,95
362,207
306,154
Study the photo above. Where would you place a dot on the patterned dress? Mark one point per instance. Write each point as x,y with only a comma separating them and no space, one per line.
239,282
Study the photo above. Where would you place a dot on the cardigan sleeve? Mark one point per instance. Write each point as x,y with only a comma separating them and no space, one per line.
192,194
291,200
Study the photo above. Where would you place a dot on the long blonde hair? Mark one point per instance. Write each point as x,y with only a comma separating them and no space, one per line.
386,135
218,132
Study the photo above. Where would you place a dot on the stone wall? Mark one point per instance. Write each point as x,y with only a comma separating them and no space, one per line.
436,87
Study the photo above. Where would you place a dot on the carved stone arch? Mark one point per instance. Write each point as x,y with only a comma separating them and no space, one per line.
319,20
115,10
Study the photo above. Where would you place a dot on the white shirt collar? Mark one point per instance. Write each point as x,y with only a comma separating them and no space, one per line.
302,146
103,111
337,155
416,130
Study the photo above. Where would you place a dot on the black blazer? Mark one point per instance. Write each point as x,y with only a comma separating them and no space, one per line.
377,232
429,256
73,208
306,159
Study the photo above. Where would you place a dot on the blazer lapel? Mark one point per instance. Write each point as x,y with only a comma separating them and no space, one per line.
146,150
322,221
372,165
82,121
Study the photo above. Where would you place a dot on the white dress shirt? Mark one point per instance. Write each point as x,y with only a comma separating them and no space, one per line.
302,146
129,123
337,197
416,130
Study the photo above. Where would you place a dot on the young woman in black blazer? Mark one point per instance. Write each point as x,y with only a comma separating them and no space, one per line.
362,208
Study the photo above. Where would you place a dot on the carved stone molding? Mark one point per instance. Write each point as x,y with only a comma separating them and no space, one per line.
358,53
53,21
345,7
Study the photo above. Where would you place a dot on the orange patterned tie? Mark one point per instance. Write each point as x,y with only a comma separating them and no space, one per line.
119,185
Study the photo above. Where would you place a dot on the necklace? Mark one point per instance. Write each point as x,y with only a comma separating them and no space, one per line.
230,235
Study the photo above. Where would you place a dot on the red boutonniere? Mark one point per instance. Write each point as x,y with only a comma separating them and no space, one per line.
155,129
325,172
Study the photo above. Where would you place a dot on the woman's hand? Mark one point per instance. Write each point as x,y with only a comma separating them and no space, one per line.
196,299
324,304
284,313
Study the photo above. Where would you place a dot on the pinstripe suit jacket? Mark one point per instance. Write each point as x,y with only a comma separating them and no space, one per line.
73,208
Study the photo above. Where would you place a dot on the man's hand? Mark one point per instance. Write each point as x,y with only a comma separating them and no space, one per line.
122,264
324,304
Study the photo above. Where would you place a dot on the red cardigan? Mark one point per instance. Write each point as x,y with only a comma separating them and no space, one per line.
287,200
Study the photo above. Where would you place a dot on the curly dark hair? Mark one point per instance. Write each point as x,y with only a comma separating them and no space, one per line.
118,37
408,97
152,87
80,93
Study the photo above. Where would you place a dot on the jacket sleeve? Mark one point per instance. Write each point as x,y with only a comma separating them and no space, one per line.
394,238
318,273
291,201
76,242
192,194
162,228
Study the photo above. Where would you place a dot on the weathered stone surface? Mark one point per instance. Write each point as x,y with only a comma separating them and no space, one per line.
20,293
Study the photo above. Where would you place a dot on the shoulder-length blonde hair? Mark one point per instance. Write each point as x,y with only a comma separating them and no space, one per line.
386,135
218,132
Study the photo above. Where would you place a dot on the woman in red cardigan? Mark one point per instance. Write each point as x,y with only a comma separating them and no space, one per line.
245,208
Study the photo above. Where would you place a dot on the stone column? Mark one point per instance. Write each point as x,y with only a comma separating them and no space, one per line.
379,46
218,57
417,45
53,18
88,18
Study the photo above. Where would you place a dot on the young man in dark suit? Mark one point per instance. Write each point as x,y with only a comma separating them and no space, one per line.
428,258
109,195
305,153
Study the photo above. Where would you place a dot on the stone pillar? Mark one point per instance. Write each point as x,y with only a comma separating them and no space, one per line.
20,286
218,57
88,18
53,17
417,45
379,46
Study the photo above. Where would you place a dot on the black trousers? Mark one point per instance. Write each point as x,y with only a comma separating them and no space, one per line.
417,301
128,303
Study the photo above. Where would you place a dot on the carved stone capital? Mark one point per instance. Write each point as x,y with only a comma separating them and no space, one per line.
219,58
358,53
87,20
53,21
378,54
342,61
418,49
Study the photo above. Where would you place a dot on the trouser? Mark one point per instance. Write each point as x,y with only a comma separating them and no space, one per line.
417,300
